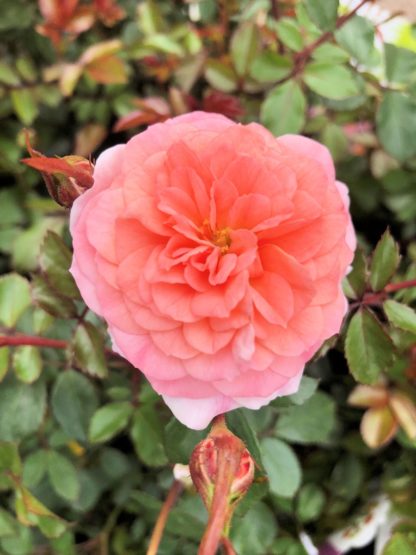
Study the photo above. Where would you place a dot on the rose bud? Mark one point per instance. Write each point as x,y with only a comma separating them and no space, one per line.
65,178
221,461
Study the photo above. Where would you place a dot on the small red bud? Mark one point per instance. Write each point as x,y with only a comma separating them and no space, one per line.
222,471
66,178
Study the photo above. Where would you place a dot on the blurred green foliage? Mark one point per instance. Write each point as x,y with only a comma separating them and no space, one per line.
86,447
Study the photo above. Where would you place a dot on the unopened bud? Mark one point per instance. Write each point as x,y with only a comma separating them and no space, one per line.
66,178
207,462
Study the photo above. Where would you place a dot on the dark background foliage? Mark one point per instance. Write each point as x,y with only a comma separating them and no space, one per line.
86,447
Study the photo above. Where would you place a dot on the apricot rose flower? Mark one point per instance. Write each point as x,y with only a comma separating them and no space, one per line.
215,253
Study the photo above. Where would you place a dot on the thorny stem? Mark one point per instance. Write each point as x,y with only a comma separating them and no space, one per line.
302,57
378,298
173,494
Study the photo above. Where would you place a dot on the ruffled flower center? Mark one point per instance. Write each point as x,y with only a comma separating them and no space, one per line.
219,237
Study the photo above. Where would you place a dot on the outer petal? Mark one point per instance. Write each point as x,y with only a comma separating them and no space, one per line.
198,413
312,149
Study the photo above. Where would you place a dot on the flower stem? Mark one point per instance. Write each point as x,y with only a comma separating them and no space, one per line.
36,341
227,546
220,510
157,533
392,287
378,298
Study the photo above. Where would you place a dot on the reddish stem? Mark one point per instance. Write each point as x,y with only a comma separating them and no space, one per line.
302,56
392,287
378,298
36,341
162,518
227,547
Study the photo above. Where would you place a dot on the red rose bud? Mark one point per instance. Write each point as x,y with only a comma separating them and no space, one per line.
66,178
222,470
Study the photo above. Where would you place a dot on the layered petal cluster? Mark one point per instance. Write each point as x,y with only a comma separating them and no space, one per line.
215,253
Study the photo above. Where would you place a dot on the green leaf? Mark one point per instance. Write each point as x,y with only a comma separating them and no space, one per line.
288,32
347,477
335,139
64,544
356,281
241,427
368,348
8,76
310,502
22,408
186,520
282,467
283,110
109,420
386,258
151,20
114,463
55,260
26,68
27,245
16,16
25,105
34,467
269,66
180,441
42,321
330,80
89,350
313,422
63,476
396,122
254,533
307,388
400,64
323,13
330,53
245,43
27,363
4,362
31,511
9,458
74,401
220,76
287,546
401,544
357,36
400,315
147,436
49,300
11,212
164,43
8,525
14,298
